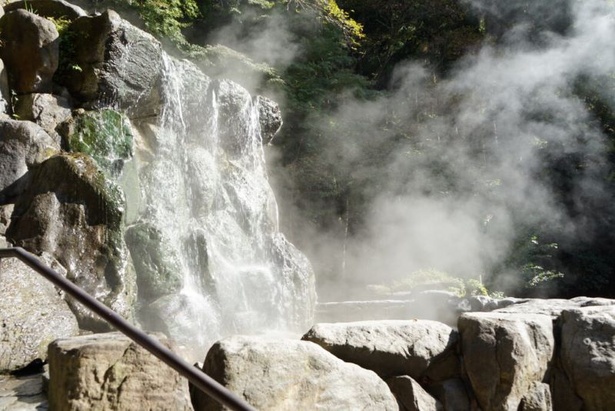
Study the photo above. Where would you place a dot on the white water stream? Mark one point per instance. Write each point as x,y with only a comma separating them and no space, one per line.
203,185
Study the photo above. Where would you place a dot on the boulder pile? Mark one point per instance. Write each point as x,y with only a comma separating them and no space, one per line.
531,355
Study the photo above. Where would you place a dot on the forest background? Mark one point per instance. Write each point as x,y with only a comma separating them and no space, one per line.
463,144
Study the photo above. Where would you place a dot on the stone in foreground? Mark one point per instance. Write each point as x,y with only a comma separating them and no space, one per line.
418,348
33,314
279,374
505,355
588,354
110,372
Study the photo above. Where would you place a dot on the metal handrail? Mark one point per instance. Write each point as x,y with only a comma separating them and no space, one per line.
197,377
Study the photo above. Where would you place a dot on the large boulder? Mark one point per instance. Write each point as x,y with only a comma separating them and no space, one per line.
505,355
30,51
588,354
33,314
110,372
73,212
22,146
418,348
279,374
113,64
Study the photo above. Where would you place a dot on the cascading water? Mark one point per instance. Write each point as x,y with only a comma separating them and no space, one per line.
211,250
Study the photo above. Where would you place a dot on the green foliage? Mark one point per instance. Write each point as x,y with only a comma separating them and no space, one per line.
165,18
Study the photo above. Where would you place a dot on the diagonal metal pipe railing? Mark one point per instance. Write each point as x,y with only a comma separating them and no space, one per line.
197,377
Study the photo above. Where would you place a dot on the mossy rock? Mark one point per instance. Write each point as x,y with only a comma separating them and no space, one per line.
105,135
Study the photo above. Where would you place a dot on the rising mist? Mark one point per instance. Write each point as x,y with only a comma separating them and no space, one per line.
462,171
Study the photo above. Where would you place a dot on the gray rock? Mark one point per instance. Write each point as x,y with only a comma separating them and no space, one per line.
22,145
552,307
411,396
46,110
22,393
452,393
538,398
270,118
504,355
588,354
417,348
277,374
30,51
33,314
73,212
48,8
118,64
5,91
110,372
5,217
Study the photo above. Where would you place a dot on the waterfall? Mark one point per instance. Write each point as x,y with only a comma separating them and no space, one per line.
205,241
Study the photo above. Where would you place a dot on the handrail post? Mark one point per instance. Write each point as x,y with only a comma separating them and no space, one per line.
197,377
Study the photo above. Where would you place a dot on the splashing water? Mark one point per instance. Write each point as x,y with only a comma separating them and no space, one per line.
203,186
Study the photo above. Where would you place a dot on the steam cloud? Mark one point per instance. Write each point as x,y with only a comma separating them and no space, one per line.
488,127
467,156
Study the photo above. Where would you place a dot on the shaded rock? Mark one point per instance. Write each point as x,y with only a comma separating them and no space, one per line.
110,372
33,314
417,348
452,394
5,217
291,375
46,110
48,8
30,51
411,396
538,398
22,394
5,91
73,212
22,145
563,395
588,354
270,118
504,355
113,64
